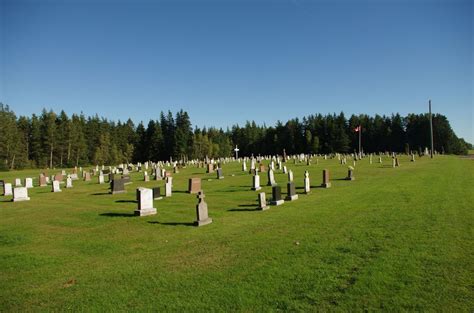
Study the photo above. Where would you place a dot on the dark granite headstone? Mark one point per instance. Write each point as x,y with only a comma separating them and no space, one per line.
291,192
219,173
156,193
117,186
276,196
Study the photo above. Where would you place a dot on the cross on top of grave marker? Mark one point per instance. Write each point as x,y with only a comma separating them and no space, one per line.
236,152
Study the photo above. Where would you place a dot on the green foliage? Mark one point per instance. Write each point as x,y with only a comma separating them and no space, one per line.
52,140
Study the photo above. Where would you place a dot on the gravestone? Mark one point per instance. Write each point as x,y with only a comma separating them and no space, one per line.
87,176
412,157
307,185
55,187
261,168
210,168
117,185
69,182
168,186
42,180
291,191
202,213
262,202
326,183
126,179
145,176
157,193
350,173
18,182
194,185
219,173
252,166
271,177
20,194
28,182
393,162
100,179
397,162
158,175
7,189
58,177
285,170
380,159
290,175
145,202
276,196
244,166
256,181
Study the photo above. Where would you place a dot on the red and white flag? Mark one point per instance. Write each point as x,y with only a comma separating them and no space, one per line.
357,129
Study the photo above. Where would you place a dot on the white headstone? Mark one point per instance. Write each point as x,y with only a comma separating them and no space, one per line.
256,182
7,189
20,194
69,182
18,182
56,186
168,187
307,186
29,182
145,202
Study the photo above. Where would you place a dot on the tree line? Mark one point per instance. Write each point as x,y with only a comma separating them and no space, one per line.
57,140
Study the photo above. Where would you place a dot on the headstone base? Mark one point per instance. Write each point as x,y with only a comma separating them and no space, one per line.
146,212
159,198
21,199
279,202
258,188
328,185
350,178
222,177
264,208
291,198
116,192
203,222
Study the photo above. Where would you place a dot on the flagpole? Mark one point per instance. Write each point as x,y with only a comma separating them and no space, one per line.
360,143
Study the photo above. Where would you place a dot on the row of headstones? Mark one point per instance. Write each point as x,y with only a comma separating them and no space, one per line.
21,193
145,197
291,190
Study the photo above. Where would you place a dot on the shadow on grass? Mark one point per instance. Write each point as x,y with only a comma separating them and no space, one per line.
172,223
244,210
111,214
101,193
126,201
180,191
247,205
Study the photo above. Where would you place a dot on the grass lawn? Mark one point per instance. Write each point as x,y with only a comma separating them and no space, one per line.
394,239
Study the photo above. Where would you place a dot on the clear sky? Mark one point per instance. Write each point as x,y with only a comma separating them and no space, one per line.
226,62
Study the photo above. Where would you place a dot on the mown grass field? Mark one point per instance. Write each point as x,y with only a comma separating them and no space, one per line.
394,239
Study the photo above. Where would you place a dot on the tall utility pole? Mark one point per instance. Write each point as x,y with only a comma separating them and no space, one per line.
431,130
360,141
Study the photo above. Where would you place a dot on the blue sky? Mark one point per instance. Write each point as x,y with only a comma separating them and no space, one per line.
226,62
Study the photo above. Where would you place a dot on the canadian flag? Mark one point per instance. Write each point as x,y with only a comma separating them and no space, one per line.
357,129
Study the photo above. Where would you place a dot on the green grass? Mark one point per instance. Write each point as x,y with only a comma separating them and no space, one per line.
394,239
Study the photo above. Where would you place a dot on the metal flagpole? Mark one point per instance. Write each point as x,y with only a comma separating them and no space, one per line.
431,129
360,141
